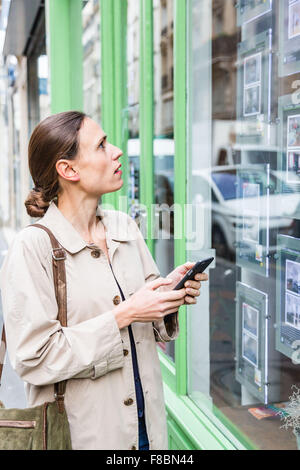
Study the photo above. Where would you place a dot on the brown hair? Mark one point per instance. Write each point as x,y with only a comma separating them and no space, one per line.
53,138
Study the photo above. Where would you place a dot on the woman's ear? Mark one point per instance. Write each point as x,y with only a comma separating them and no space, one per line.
66,171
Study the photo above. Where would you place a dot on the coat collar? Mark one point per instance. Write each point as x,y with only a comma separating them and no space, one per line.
116,223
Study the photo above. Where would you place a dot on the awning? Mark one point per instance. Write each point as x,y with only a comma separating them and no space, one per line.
21,18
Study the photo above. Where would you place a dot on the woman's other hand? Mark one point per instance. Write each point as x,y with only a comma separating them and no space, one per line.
150,303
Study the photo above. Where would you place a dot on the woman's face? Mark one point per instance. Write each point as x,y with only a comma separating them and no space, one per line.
97,161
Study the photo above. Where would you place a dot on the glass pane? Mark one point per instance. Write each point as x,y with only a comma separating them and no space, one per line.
38,87
91,59
163,16
243,188
133,107
43,75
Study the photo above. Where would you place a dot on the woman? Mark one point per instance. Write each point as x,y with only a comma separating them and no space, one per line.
114,396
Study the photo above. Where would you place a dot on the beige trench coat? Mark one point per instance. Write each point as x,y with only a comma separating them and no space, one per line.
90,351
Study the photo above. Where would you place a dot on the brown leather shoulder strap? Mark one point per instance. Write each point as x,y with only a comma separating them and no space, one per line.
60,284
59,274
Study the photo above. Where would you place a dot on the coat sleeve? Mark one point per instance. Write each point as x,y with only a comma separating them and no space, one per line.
41,351
166,329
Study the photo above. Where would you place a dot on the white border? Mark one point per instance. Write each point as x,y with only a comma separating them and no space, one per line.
256,113
247,59
291,5
290,174
244,306
290,148
286,288
285,311
260,14
245,333
289,118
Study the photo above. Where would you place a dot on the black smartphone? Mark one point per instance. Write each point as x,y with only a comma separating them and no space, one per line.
199,267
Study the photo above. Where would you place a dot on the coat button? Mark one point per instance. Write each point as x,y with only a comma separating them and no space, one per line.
125,352
116,299
128,402
95,253
133,448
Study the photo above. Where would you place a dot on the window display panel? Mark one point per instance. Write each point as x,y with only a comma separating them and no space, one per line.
252,341
288,154
253,89
250,10
289,34
252,85
243,350
288,297
293,150
252,235
163,145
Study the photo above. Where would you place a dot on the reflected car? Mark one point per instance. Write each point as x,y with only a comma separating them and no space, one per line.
231,214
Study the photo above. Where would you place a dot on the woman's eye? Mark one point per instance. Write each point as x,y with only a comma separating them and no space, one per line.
101,146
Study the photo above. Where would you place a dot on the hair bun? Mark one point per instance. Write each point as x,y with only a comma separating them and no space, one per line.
35,204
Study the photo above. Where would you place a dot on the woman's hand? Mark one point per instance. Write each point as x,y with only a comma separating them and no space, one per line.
149,304
192,287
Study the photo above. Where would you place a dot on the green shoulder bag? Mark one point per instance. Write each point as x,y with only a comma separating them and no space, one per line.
43,427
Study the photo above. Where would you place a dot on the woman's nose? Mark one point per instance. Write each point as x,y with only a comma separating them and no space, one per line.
117,153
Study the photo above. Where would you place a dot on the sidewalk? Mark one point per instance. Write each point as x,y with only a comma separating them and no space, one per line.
12,387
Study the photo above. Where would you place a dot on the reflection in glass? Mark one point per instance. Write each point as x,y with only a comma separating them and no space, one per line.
163,146
247,190
133,108
44,98
91,59
38,87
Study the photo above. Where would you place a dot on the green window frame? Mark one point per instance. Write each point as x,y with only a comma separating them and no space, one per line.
64,33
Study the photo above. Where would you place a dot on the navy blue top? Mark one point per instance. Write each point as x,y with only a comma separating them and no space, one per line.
137,381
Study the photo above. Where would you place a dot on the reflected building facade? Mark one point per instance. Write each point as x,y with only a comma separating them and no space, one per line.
91,59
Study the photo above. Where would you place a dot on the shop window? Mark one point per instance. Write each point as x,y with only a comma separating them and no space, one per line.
163,147
244,180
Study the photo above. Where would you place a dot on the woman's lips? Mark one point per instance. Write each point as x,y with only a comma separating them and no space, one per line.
118,171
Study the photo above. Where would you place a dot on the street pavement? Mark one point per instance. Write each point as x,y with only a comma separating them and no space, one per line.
12,392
